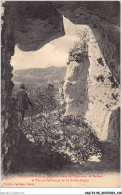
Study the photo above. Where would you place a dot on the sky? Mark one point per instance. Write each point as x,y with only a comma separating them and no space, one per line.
55,53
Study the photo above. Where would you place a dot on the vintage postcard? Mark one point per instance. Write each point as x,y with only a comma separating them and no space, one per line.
60,94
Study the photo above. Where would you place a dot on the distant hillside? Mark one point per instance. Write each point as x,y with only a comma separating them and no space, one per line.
39,77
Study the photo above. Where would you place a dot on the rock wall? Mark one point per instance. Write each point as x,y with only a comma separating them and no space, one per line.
104,19
9,134
114,127
102,85
36,23
103,90
30,26
90,88
75,86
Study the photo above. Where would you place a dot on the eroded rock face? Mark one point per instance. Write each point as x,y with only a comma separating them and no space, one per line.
103,90
75,86
90,88
41,24
9,135
102,85
114,127
104,20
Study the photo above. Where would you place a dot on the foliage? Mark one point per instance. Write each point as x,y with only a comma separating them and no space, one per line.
43,101
69,136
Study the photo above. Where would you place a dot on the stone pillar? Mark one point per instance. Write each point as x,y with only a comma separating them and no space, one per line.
90,88
9,131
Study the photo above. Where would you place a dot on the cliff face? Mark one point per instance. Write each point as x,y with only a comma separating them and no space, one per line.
103,90
75,86
91,90
104,20
94,92
114,127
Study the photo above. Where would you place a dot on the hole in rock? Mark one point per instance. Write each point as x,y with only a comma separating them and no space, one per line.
50,138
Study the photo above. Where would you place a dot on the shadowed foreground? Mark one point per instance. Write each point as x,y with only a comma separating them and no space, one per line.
31,159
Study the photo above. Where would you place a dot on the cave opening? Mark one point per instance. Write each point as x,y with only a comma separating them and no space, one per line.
44,73
35,60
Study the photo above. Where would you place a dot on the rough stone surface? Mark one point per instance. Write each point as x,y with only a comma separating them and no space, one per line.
75,86
35,24
104,20
7,134
114,127
90,88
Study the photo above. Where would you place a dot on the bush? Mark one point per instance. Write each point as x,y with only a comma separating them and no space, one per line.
69,136
43,101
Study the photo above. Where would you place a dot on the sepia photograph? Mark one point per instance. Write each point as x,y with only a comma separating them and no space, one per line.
60,94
